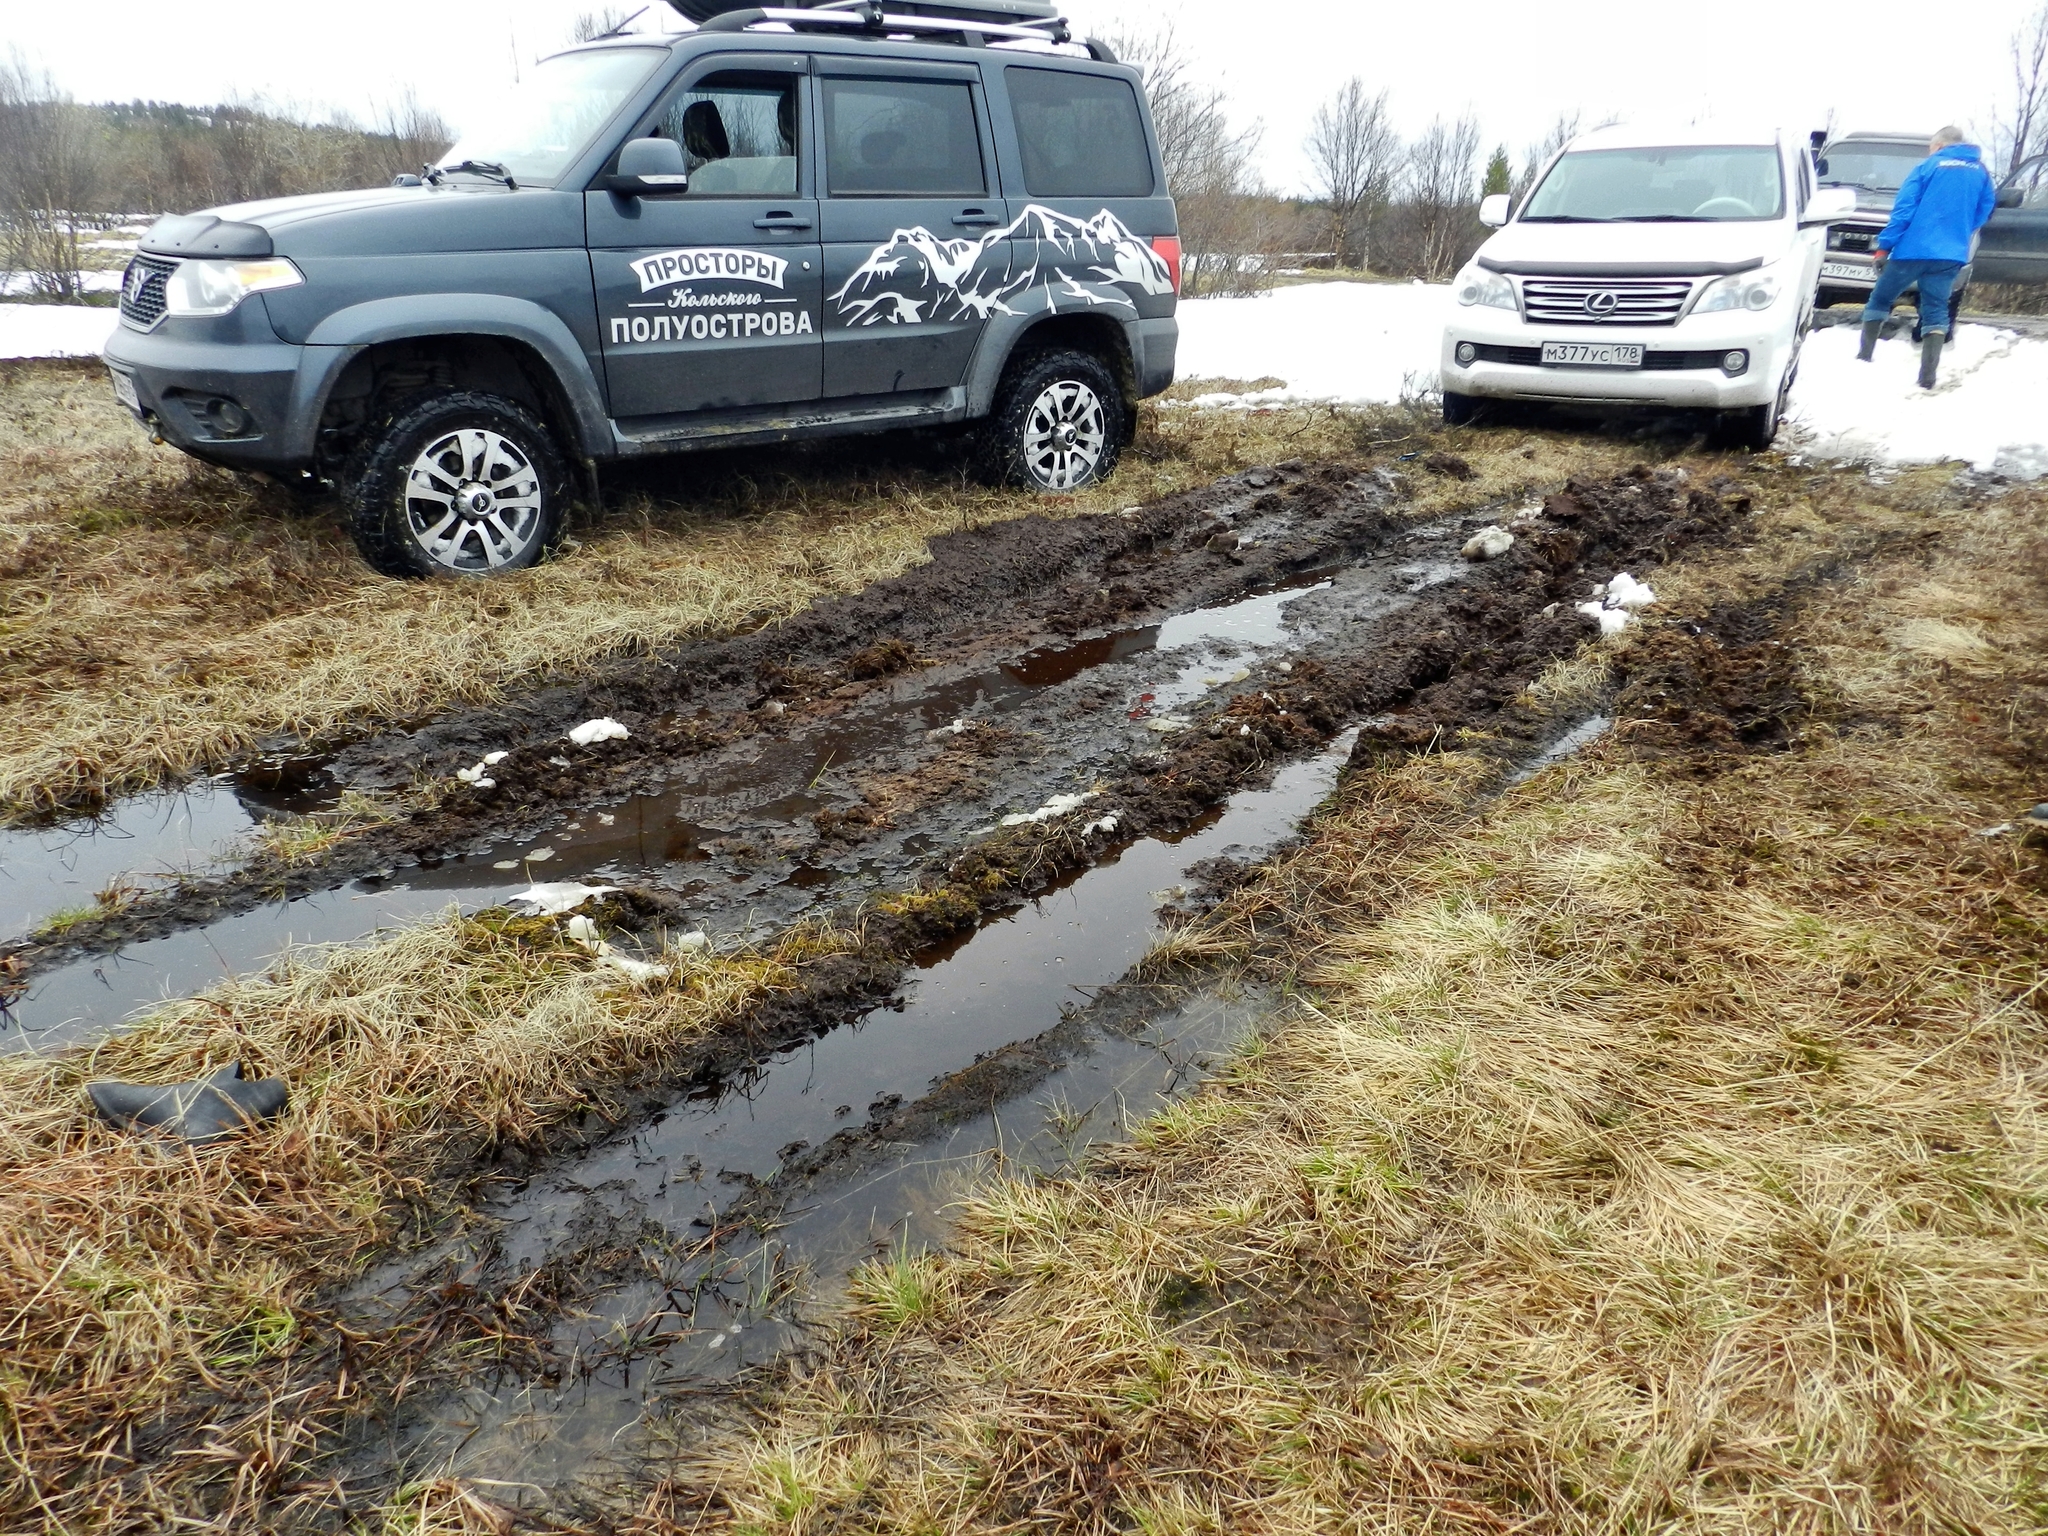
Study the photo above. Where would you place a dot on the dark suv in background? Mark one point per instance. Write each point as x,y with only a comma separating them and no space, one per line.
2013,247
786,224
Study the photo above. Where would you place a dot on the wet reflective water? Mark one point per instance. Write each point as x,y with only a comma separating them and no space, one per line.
704,1310
666,837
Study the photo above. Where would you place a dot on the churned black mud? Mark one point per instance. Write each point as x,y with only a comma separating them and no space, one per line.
1193,676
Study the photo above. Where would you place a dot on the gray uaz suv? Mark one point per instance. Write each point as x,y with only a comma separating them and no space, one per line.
785,224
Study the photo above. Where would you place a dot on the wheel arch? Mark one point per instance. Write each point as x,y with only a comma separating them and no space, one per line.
1107,331
484,343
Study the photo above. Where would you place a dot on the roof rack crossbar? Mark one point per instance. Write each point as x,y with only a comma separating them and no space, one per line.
868,16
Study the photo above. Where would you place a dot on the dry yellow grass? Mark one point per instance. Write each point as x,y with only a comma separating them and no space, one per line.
139,1278
1661,1148
160,616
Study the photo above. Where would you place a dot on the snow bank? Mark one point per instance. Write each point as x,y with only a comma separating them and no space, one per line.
55,330
91,282
1367,343
1359,343
1987,406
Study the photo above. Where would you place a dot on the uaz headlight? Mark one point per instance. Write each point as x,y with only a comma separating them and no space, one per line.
216,287
1744,290
1476,285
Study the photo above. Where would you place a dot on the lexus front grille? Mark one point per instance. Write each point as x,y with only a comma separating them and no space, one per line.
142,291
1605,300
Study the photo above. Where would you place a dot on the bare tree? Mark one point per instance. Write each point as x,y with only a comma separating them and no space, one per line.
1440,192
1356,156
1208,169
602,22
50,175
2027,131
418,135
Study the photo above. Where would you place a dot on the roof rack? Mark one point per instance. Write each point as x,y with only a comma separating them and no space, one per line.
968,21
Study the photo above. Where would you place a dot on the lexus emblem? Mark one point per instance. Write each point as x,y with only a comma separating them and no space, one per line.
1602,304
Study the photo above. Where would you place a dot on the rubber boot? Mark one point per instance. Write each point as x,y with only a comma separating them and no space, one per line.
200,1111
1867,347
1930,356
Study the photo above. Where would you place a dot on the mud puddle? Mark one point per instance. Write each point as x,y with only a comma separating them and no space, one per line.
740,841
714,1263
149,841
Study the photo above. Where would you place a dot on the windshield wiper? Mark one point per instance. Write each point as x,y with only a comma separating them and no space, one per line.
1662,218
1561,218
488,169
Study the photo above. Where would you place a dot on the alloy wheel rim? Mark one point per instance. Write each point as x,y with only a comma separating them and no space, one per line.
1066,432
473,501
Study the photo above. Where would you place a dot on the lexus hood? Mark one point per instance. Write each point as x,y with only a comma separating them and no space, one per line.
1723,246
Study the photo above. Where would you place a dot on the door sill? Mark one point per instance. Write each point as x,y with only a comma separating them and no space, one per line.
800,418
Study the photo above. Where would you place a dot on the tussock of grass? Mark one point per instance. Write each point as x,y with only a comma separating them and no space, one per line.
161,616
139,1276
1662,1149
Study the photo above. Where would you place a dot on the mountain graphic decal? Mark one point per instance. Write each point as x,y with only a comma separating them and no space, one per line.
918,278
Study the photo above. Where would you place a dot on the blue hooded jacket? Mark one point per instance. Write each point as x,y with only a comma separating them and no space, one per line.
1944,202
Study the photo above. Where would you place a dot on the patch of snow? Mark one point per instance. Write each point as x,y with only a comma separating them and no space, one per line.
1985,408
604,728
957,728
1488,543
506,864
1058,805
12,283
1612,620
55,330
1166,725
554,899
639,972
492,759
696,938
1100,824
1358,343
1624,591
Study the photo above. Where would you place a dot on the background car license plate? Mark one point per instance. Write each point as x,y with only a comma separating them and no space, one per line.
124,389
1592,354
1845,269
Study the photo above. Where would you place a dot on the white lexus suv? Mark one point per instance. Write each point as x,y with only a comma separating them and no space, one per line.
1670,269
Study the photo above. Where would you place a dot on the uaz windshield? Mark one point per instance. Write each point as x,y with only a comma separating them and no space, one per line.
534,129
1695,183
1873,167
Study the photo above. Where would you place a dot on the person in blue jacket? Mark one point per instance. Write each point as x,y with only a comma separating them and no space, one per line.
1944,202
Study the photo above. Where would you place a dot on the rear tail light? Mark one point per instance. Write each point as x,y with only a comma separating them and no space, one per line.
1167,249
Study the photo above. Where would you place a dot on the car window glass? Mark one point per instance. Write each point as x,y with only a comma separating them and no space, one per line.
533,129
738,135
1682,184
909,138
1873,167
1080,135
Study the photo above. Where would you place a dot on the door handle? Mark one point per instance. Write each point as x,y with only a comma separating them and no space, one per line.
975,216
782,221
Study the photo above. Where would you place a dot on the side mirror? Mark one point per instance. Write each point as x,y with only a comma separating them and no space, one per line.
2010,197
1493,211
650,168
1828,205
1820,166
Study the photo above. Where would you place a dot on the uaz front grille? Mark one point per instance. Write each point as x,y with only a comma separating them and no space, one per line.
1605,300
142,291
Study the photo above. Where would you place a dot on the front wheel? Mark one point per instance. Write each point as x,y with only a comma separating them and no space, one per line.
1462,410
1059,423
464,484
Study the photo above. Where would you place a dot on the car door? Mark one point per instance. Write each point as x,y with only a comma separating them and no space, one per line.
710,300
909,219
2014,245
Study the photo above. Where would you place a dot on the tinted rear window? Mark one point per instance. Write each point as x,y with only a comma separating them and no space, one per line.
1081,134
906,137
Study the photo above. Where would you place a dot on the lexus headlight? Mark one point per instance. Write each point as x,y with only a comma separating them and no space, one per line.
216,287
1476,285
1743,290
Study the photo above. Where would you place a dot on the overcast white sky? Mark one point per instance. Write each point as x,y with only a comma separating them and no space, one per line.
1515,64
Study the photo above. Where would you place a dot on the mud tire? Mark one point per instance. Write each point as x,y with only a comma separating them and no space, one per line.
1001,455
375,496
1463,410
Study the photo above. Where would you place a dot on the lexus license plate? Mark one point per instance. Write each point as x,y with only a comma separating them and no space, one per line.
1847,269
124,390
1592,354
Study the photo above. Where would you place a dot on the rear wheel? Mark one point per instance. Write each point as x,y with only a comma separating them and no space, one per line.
1059,423
463,484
